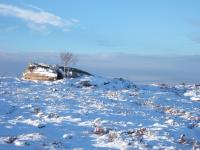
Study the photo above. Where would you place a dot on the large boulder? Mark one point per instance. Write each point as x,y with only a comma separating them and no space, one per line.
40,72
51,72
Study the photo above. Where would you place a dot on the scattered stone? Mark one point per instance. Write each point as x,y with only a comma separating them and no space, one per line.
54,90
36,110
112,136
27,144
193,125
130,132
10,140
53,115
182,139
99,130
134,94
105,83
85,84
67,136
141,131
41,126
57,144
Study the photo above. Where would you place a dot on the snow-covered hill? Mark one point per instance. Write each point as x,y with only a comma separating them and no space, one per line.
98,113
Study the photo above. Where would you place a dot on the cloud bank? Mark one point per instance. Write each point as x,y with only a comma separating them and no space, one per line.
39,17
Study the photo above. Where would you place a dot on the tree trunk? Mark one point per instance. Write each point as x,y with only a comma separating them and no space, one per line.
65,70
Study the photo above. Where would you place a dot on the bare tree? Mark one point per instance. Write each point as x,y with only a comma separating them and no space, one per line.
67,58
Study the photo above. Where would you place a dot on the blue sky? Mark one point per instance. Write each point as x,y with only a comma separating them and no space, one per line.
156,27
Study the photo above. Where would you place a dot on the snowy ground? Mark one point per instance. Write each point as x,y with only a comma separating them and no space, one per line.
98,113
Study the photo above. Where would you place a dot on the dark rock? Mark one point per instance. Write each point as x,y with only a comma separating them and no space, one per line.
105,83
11,139
73,72
36,110
52,115
41,126
85,84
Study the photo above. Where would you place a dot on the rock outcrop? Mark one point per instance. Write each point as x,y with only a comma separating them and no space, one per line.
46,72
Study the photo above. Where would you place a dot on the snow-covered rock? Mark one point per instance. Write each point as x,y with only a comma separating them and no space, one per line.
51,72
40,72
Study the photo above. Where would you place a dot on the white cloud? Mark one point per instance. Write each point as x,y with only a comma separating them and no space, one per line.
39,17
35,27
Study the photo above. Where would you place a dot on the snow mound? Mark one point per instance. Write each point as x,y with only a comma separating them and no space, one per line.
104,83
